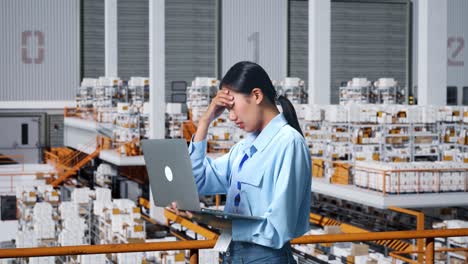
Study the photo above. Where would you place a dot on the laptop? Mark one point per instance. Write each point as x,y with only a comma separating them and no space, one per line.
171,178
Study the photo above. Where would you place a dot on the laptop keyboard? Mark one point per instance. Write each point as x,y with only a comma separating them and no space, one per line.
212,211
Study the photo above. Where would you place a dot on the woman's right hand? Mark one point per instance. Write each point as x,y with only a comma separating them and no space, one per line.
223,100
220,102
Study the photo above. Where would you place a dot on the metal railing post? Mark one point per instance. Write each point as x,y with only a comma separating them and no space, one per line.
419,226
430,250
194,256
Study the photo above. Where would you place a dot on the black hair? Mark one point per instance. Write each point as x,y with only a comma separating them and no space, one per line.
244,76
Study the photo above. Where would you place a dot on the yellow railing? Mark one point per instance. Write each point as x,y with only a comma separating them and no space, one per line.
195,245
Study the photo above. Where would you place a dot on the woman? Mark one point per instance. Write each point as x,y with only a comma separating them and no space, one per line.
267,174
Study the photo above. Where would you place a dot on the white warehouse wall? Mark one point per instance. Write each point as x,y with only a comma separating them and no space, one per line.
457,45
256,31
39,50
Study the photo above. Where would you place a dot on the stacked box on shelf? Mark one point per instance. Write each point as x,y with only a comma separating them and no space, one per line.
292,88
85,98
134,257
366,134
223,134
44,224
92,259
450,123
424,133
175,256
102,209
389,92
341,173
465,115
361,91
138,99
104,174
107,93
75,218
26,200
73,232
425,141
26,194
357,91
339,147
373,178
26,239
315,138
463,137
120,221
318,168
199,95
49,194
311,120
42,260
127,130
176,115
138,92
81,195
339,138
396,133
144,121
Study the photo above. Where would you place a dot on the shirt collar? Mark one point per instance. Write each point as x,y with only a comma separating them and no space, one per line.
248,148
257,142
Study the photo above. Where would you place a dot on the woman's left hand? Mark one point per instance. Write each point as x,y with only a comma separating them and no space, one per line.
185,214
210,220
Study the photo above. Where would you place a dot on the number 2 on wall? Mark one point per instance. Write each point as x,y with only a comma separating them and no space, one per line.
455,46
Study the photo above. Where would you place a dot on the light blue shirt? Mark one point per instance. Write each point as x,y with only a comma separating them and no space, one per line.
275,183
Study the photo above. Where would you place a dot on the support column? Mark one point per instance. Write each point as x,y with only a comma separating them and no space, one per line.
110,38
157,76
319,51
432,52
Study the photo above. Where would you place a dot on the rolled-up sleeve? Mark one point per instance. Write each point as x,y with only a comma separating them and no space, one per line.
211,175
287,215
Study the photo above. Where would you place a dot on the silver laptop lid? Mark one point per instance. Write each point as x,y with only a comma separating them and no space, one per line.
170,173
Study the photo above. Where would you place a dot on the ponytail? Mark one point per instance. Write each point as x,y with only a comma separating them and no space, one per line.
289,113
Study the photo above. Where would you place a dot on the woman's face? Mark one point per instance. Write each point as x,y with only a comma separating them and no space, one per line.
244,112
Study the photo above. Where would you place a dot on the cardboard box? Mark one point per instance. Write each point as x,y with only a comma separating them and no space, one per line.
359,249
318,166
332,230
341,173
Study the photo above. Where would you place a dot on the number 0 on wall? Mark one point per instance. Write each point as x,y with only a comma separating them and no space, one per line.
26,37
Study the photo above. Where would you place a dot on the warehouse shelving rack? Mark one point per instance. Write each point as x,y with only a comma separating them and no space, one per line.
425,136
396,147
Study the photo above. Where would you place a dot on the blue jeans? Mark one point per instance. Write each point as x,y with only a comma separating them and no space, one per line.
244,252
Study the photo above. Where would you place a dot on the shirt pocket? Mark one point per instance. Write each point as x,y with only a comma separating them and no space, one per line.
251,189
253,178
